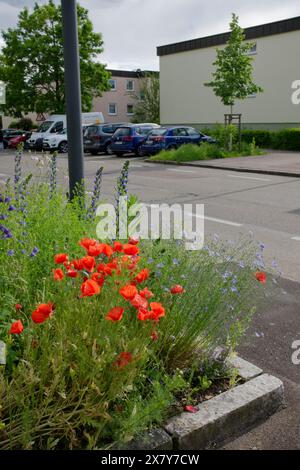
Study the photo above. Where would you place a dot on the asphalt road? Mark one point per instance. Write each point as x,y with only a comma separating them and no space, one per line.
235,204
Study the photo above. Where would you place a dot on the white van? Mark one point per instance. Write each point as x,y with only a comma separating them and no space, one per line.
56,123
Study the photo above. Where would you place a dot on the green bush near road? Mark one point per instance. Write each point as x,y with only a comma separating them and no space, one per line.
190,152
263,138
286,139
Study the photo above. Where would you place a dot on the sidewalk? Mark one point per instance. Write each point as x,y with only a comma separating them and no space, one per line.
268,344
272,163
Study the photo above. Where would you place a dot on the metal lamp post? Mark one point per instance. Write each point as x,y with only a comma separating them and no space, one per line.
73,93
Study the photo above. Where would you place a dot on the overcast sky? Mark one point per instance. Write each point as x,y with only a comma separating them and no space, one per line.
132,29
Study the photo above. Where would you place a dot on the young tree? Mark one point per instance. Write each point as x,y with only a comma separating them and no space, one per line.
32,62
233,77
147,107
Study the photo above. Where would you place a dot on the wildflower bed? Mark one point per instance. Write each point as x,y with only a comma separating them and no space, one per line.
107,338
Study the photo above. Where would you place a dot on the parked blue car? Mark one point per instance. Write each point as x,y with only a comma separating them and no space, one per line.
172,138
129,139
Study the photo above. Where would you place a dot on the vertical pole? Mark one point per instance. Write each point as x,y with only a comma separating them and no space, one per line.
72,93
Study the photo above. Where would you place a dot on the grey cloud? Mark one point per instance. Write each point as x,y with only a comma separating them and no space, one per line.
132,29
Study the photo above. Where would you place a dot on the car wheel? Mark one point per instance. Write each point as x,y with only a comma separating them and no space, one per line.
63,147
139,151
94,152
119,154
108,150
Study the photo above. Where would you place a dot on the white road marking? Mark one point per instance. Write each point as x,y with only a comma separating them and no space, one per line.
297,239
213,219
180,171
249,178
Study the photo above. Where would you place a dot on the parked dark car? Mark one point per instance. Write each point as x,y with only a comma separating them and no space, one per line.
129,139
15,141
10,134
97,137
172,138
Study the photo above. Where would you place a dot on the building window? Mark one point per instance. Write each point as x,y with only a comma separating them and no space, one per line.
253,50
112,109
130,85
130,109
113,84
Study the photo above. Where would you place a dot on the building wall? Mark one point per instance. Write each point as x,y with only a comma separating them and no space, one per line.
121,97
185,100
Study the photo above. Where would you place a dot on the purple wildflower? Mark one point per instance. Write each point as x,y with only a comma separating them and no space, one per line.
34,252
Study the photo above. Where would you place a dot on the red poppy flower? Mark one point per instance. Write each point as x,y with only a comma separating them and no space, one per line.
157,310
16,328
139,302
123,360
87,242
96,249
89,288
58,274
261,277
146,293
118,247
18,307
99,278
128,292
130,250
72,273
177,289
115,314
88,263
104,269
154,336
142,276
144,314
42,312
77,263
60,258
107,250
133,241
191,409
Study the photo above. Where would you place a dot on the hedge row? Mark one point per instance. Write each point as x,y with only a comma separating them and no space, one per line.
285,139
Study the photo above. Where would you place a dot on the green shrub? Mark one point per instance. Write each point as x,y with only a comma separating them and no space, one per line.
263,138
25,124
205,151
286,139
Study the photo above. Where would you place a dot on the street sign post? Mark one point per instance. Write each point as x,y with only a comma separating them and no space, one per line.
73,94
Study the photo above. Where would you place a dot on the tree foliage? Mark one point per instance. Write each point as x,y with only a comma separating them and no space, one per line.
233,77
32,62
147,107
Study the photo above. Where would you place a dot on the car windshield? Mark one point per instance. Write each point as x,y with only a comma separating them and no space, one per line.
158,132
45,126
91,130
143,130
122,131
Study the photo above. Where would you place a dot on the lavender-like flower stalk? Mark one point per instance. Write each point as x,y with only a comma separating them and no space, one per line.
53,173
18,168
96,193
122,188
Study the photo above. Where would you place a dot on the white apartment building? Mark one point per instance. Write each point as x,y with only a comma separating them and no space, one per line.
186,66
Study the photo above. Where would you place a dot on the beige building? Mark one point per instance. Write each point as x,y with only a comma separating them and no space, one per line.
117,105
186,66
